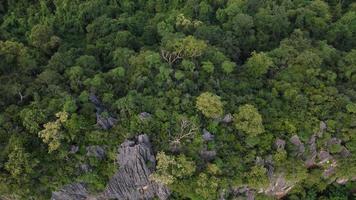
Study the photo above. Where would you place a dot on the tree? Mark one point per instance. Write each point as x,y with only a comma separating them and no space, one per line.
171,168
42,37
248,120
210,105
258,64
31,119
208,67
187,47
14,56
342,33
257,177
207,186
20,164
228,67
51,134
347,66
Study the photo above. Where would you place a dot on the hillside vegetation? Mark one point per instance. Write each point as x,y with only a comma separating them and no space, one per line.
239,98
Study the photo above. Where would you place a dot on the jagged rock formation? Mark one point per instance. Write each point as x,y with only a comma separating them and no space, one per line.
298,144
345,152
208,155
320,158
322,129
131,181
280,144
243,191
144,115
75,191
227,118
103,119
74,149
266,163
310,161
278,187
96,151
207,136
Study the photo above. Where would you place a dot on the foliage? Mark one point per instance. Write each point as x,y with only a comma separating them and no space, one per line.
210,105
245,71
51,134
248,120
170,168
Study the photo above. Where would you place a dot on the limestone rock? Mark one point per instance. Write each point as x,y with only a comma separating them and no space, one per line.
96,151
278,187
280,144
105,121
299,145
144,115
207,136
76,191
131,181
227,118
136,161
208,155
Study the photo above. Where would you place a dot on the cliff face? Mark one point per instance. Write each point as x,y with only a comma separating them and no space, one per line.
131,181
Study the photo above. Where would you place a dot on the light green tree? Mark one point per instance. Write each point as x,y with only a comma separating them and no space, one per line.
51,134
210,105
170,168
248,120
20,164
258,64
228,66
207,186
257,177
187,48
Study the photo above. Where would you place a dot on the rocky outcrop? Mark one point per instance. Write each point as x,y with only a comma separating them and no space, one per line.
207,136
278,187
310,161
279,143
103,118
131,182
266,163
322,129
208,155
227,118
96,151
144,116
298,144
75,191
244,192
73,149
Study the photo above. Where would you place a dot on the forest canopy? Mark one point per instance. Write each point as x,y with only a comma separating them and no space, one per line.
239,98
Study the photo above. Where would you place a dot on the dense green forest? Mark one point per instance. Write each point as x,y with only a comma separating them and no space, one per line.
236,96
